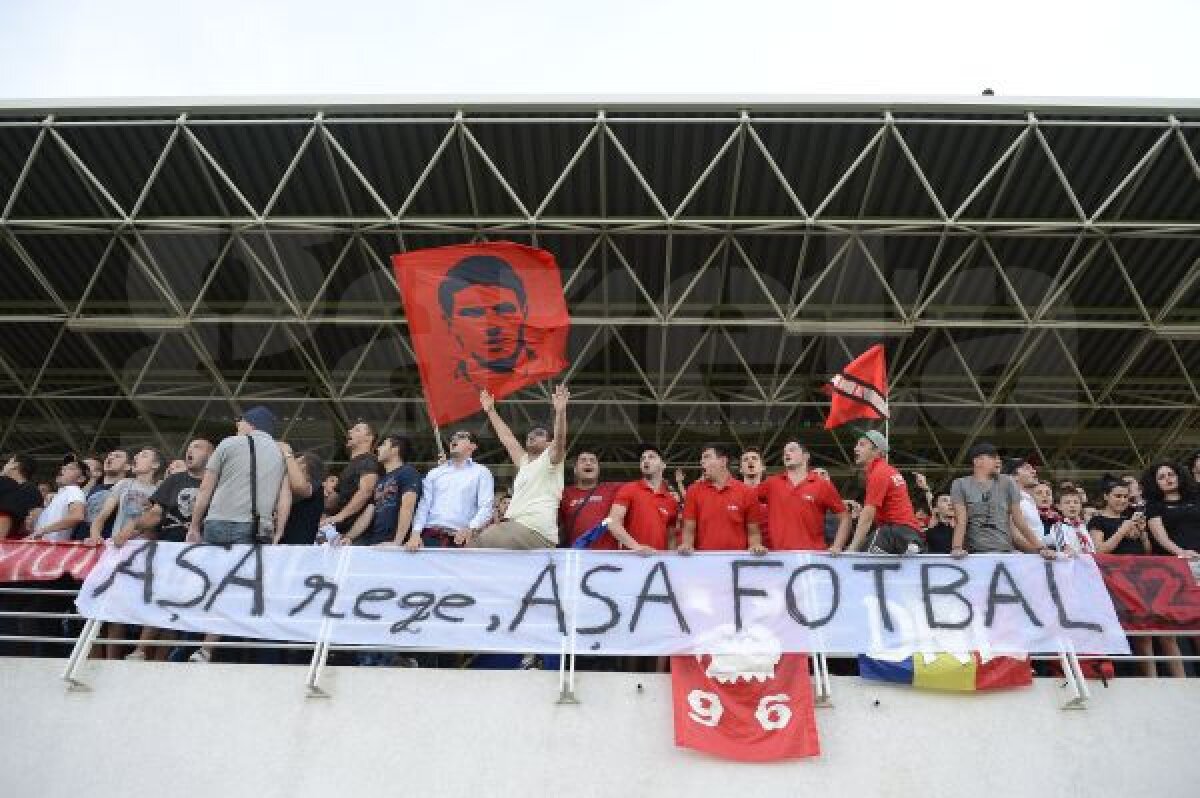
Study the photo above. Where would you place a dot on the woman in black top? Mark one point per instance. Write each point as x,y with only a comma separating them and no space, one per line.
1114,533
1172,510
1111,531
1173,518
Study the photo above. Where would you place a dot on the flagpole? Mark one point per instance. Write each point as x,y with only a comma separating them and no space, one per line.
437,438
437,434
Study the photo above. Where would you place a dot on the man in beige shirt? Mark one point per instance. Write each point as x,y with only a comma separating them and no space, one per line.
531,521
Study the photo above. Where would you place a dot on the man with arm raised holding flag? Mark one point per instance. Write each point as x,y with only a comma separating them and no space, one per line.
532,518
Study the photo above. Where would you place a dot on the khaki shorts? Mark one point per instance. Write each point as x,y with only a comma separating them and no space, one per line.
509,535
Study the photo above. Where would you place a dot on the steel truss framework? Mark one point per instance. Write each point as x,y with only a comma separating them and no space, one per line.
1033,272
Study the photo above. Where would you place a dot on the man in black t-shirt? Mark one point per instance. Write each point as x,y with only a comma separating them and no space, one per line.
940,533
18,494
176,494
395,500
356,486
167,519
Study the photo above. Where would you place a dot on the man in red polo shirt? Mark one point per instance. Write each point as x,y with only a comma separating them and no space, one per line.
644,511
720,513
797,501
586,503
752,471
887,516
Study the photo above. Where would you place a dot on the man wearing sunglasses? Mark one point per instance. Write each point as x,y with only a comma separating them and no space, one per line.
456,498
987,509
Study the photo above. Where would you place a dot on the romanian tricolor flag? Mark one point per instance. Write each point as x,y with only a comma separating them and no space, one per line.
950,672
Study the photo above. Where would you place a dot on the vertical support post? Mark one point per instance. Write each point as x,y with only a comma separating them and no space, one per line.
315,666
824,697
566,656
1080,679
321,651
1074,678
83,647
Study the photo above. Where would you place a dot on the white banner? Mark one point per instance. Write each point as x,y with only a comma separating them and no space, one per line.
609,602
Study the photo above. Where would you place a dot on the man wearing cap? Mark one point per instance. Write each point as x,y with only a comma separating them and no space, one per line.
987,509
223,510
886,506
456,497
644,513
245,477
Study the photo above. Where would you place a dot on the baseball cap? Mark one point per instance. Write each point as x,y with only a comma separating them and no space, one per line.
981,449
261,419
877,439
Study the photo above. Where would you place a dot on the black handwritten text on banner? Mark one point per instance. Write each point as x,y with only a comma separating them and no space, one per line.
608,602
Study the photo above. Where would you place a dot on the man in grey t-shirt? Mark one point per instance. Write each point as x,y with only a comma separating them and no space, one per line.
987,508
223,508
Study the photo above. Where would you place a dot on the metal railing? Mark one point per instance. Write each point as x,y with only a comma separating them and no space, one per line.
83,642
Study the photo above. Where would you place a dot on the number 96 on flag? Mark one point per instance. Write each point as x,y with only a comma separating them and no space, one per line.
745,717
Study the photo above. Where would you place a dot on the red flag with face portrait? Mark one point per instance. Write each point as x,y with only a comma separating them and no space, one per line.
489,315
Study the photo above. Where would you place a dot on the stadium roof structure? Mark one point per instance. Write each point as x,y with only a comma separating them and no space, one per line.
1032,266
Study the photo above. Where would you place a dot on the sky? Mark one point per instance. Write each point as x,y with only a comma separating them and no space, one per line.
1020,48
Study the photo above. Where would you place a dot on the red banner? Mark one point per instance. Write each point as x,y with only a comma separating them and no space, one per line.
756,716
1152,593
39,561
482,316
860,390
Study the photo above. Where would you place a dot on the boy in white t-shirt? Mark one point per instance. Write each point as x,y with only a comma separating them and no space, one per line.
65,510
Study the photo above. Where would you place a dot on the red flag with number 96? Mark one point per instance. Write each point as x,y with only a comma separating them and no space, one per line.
742,717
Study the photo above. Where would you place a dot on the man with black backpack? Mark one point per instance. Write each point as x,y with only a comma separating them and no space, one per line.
244,493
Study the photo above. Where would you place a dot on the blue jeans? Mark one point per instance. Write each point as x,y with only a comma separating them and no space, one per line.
226,532
438,538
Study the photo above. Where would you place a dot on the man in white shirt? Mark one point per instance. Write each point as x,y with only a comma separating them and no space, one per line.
532,518
58,520
456,497
1026,477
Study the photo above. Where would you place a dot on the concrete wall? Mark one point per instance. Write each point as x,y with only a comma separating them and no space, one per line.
161,729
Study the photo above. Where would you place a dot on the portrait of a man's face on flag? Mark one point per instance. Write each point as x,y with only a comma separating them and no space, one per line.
482,316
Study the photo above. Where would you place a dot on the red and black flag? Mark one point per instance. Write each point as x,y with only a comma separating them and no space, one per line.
860,390
489,315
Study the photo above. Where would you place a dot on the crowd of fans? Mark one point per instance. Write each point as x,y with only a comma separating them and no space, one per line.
252,488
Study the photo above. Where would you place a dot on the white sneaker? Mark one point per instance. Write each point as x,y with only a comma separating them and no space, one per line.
912,550
135,656
200,655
